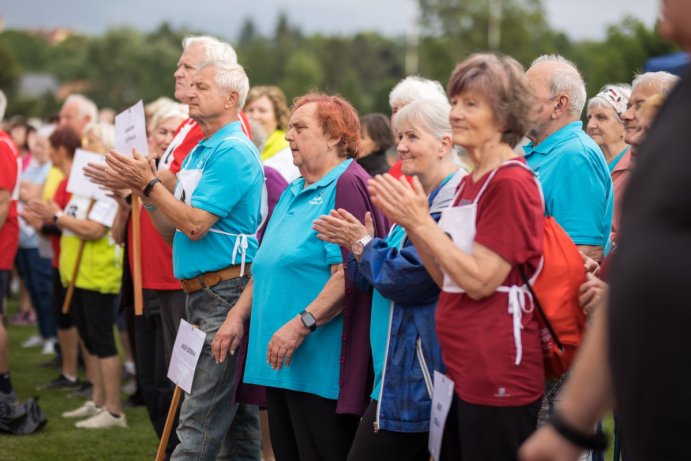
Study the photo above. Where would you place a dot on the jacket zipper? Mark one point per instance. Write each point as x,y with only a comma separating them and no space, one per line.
383,372
423,365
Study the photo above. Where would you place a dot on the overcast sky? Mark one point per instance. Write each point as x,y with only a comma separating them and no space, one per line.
579,19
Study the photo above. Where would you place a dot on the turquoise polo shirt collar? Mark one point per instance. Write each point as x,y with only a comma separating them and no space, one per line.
233,128
297,187
553,140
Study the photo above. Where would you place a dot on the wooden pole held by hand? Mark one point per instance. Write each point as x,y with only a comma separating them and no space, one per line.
137,255
78,261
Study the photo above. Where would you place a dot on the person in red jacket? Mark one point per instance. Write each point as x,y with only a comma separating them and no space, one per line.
9,241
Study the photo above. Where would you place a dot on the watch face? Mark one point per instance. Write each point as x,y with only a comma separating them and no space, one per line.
309,321
357,248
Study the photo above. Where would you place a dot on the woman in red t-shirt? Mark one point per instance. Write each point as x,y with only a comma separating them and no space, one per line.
485,321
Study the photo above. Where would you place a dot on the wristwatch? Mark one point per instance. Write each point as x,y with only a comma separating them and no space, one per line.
308,320
149,187
359,245
56,216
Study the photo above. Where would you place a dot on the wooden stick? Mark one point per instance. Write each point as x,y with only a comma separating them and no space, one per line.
137,255
80,251
172,411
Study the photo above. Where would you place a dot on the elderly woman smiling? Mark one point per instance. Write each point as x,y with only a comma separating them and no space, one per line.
484,319
607,130
302,323
405,349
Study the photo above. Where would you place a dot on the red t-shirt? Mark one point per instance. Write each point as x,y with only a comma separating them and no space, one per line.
156,256
9,179
396,172
186,138
477,337
61,198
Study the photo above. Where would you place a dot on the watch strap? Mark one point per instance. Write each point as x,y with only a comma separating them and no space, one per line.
596,441
149,186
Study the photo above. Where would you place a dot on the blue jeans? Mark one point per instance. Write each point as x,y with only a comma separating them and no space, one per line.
210,426
36,272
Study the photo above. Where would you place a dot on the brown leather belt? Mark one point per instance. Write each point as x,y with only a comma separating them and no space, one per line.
210,279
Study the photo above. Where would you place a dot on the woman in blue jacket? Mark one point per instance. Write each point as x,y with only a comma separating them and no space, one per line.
405,350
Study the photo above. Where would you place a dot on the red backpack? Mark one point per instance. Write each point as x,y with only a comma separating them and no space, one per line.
555,291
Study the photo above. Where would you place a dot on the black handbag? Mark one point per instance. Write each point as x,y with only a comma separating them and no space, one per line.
22,418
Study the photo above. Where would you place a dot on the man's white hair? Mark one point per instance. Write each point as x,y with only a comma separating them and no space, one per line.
570,83
85,106
231,77
663,81
214,49
413,88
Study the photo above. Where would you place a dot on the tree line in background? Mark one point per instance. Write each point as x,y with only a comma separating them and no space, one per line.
124,65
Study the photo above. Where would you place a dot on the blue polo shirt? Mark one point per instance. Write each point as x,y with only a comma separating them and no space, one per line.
230,188
290,270
576,183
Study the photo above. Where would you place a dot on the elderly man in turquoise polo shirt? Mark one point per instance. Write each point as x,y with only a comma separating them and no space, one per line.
571,168
212,220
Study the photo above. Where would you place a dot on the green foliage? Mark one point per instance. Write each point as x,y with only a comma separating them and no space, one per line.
627,46
9,71
124,65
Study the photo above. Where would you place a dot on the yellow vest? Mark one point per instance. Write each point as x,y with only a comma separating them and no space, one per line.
274,143
101,265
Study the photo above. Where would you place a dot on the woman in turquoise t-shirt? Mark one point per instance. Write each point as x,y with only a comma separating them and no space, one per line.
297,291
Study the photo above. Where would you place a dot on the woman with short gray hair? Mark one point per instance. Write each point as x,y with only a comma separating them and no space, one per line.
405,348
607,129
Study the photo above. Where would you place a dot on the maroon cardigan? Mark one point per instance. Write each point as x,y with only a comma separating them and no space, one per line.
357,373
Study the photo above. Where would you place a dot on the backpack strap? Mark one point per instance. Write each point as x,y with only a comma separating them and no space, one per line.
540,310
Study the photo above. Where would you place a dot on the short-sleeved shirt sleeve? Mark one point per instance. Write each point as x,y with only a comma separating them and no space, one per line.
509,226
215,182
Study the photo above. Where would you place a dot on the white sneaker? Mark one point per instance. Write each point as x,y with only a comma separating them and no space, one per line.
49,346
32,341
103,420
87,410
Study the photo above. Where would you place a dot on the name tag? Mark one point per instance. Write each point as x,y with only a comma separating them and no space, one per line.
441,403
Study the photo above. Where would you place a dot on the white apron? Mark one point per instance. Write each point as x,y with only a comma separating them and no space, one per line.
188,180
458,222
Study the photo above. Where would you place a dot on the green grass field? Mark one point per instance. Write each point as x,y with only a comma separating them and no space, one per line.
59,440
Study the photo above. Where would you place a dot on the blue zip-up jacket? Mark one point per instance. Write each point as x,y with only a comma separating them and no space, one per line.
413,352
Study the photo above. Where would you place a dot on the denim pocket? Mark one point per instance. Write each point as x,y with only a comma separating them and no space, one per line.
208,307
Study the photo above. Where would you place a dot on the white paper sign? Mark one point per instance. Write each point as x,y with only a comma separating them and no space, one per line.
130,130
441,403
78,184
188,346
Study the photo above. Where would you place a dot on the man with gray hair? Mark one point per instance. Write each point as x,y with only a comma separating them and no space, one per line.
644,86
9,241
211,220
574,176
576,183
77,112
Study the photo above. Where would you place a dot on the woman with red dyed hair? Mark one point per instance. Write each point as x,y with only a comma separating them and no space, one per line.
309,328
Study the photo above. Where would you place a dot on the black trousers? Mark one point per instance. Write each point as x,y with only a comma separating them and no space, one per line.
386,445
484,433
305,427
